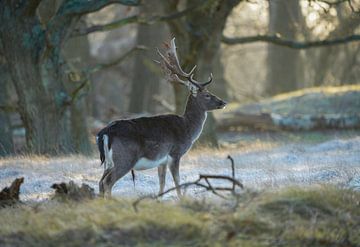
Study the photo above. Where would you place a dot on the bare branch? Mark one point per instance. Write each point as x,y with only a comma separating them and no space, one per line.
75,93
32,6
107,27
116,61
330,3
290,43
82,7
87,72
232,169
197,183
352,7
140,19
164,103
8,108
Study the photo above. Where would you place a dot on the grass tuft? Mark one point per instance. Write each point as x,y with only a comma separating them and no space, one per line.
318,216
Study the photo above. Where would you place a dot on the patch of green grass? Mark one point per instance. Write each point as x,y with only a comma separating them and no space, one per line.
320,216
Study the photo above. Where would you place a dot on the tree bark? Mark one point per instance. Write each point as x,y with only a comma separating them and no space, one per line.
77,55
283,73
145,83
41,97
327,58
6,138
199,37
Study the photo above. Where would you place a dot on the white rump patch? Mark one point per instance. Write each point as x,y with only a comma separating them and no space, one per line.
144,163
109,163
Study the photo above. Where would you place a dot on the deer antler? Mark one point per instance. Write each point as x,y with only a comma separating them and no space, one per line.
171,66
201,84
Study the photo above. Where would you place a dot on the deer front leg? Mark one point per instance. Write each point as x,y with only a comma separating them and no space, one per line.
174,169
162,177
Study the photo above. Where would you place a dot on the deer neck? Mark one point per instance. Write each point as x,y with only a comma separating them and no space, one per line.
195,117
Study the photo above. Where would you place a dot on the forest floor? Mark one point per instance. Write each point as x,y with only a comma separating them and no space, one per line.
301,189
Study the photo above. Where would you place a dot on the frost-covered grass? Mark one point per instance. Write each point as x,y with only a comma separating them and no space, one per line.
259,165
316,216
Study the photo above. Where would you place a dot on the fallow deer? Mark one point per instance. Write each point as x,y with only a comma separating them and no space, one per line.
158,141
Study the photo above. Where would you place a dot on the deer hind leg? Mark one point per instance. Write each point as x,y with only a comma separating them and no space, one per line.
101,183
124,158
174,169
162,177
110,177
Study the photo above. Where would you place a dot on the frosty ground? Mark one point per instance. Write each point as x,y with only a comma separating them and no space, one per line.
259,165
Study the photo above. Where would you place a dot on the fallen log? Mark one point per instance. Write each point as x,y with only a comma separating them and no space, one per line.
272,121
10,195
307,109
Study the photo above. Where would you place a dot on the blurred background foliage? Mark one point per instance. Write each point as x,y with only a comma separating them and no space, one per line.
68,67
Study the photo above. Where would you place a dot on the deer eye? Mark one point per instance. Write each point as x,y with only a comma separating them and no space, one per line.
207,96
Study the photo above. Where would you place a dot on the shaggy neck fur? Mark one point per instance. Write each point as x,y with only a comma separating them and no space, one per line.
195,117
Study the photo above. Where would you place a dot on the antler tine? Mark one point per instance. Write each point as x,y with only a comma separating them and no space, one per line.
192,70
172,69
176,77
199,84
174,60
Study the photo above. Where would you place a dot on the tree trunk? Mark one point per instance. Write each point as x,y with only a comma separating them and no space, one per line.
199,39
283,73
221,85
6,138
32,47
328,58
145,83
77,55
41,100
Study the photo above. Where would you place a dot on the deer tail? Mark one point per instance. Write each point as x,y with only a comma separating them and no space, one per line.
107,153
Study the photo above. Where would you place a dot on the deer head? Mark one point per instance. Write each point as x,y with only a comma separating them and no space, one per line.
173,72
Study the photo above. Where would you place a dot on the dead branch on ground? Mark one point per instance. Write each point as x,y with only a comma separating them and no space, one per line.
72,191
204,181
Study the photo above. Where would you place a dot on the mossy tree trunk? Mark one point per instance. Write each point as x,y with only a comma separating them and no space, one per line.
76,52
6,138
199,37
40,101
33,52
